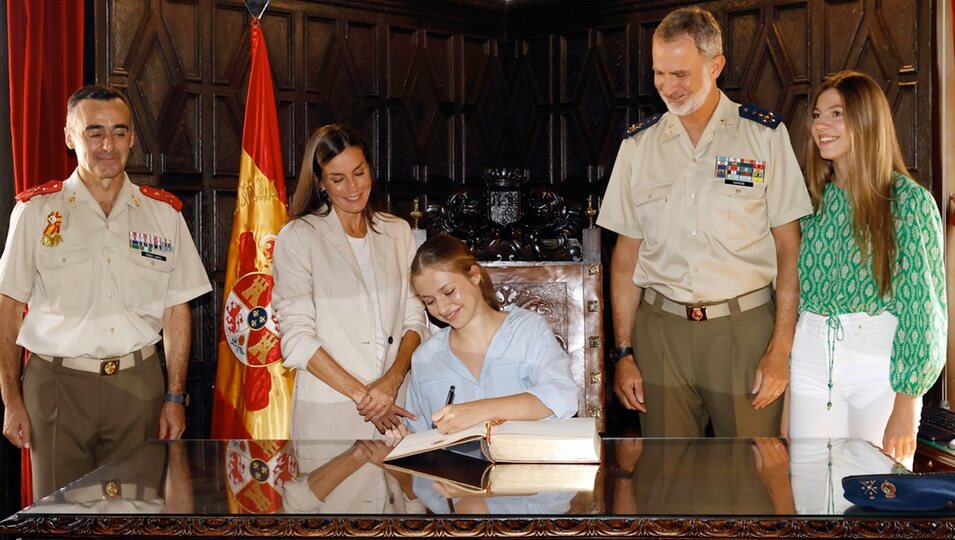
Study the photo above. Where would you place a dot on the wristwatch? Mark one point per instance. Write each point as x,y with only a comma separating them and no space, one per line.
182,399
620,353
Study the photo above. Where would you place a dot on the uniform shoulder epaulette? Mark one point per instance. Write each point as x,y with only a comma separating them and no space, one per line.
162,196
760,115
52,186
642,125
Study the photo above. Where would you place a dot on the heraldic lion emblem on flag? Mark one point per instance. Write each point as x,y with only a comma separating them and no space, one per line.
250,329
257,473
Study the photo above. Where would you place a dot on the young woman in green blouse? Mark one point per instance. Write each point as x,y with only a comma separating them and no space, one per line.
872,326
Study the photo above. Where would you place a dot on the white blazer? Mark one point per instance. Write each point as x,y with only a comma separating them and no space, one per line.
321,300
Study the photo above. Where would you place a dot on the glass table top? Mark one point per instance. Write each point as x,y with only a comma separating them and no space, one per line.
637,477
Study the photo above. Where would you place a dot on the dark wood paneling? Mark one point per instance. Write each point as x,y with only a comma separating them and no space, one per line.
444,90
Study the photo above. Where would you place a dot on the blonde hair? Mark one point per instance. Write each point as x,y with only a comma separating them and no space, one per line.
874,158
452,255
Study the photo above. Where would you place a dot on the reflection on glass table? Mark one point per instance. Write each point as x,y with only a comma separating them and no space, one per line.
638,477
461,481
763,476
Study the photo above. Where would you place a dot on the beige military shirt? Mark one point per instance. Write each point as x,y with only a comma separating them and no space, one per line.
704,213
97,285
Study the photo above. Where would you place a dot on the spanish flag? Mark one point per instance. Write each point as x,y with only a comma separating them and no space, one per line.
253,389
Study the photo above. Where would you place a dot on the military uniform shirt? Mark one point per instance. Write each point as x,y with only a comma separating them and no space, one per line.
102,289
704,214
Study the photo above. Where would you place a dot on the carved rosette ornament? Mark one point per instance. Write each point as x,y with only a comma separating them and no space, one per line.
510,220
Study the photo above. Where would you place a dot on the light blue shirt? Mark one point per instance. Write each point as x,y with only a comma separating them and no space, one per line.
524,356
544,503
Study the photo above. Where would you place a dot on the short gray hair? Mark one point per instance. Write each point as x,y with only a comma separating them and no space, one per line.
697,23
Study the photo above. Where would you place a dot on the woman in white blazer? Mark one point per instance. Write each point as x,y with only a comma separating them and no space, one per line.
348,318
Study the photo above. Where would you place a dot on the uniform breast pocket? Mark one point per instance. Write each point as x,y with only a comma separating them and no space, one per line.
145,281
650,203
738,212
60,270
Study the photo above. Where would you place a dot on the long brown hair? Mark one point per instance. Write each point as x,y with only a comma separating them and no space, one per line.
874,157
453,255
324,144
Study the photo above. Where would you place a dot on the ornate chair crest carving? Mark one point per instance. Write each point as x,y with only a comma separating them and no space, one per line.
506,220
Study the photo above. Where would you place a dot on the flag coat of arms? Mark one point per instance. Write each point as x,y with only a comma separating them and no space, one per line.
257,472
253,389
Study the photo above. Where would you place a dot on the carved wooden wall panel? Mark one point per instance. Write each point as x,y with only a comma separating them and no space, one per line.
444,90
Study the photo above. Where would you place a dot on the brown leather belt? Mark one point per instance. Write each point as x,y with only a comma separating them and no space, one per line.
103,366
704,311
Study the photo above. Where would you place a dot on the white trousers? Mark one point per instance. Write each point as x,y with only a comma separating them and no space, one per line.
852,352
817,466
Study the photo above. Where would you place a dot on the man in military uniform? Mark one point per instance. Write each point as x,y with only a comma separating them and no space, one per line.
705,200
104,266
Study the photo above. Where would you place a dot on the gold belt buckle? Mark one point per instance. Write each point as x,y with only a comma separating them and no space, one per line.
696,313
112,488
109,367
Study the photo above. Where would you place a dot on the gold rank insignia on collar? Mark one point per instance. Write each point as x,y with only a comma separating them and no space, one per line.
760,115
642,125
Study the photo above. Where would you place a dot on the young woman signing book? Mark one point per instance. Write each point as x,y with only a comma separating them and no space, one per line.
503,365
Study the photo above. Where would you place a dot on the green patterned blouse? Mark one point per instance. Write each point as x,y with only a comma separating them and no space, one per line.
834,281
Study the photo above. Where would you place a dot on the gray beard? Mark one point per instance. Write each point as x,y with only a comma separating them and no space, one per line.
695,101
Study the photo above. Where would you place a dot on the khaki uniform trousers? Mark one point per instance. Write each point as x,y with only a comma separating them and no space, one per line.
79,420
700,371
699,477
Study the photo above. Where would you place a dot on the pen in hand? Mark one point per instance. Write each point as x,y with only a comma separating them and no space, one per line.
448,401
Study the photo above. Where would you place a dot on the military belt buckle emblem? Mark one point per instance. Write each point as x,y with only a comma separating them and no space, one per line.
112,488
109,367
696,313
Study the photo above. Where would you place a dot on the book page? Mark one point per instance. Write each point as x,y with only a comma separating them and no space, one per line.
426,441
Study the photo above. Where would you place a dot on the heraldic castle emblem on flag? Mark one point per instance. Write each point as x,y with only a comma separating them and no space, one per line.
249,327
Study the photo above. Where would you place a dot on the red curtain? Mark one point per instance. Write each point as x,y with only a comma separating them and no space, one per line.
45,39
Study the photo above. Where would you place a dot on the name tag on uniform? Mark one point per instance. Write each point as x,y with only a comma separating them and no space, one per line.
150,245
740,171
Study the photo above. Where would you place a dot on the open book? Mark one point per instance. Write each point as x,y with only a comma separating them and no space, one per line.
476,476
573,440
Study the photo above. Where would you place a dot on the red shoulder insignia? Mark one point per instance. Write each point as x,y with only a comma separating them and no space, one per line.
162,196
43,189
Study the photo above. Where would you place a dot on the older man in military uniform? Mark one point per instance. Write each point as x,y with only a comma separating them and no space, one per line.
706,200
104,266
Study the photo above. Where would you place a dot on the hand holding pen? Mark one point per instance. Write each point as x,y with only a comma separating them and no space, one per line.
447,402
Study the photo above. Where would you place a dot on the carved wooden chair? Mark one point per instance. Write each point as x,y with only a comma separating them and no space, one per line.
541,256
